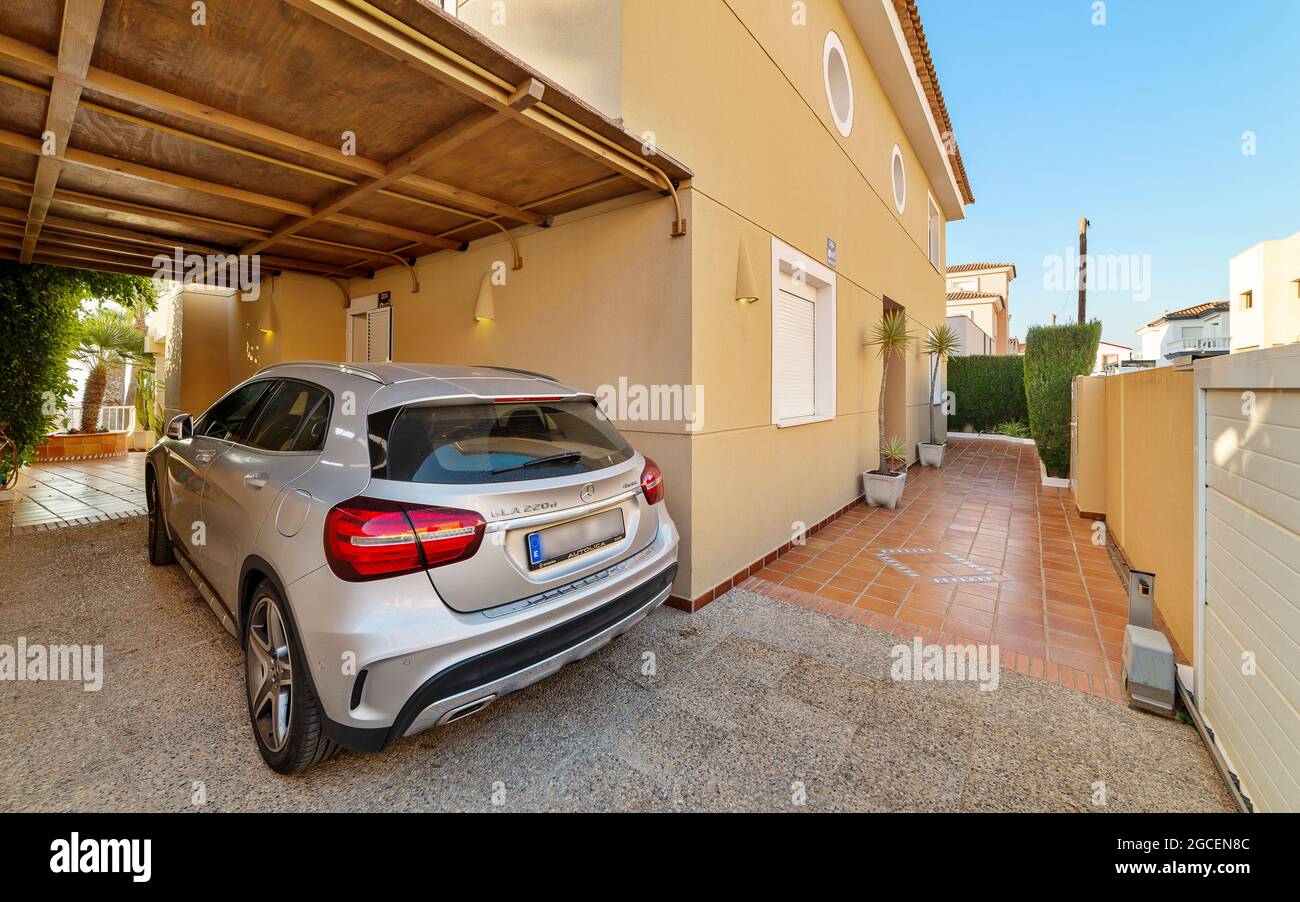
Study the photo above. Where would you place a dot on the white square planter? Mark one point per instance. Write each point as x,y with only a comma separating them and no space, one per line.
883,491
930,455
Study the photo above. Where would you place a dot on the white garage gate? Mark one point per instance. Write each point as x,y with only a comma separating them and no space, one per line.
1248,610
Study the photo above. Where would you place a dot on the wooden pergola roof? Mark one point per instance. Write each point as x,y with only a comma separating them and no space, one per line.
127,130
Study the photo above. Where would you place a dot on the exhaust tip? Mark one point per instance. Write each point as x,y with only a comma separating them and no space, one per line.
466,710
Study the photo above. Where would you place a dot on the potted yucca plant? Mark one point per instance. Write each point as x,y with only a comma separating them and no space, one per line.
940,343
883,486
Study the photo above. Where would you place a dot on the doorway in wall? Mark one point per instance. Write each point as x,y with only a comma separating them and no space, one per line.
370,334
896,389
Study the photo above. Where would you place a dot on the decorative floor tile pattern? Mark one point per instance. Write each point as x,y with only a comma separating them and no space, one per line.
979,550
54,495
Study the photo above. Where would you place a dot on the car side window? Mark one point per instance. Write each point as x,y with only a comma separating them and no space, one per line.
293,418
227,418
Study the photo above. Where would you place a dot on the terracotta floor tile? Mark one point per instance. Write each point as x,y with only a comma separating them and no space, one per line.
853,584
916,601
1019,627
843,596
803,585
969,615
1090,664
978,602
880,605
1021,644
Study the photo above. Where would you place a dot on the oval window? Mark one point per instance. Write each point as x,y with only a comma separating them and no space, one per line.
839,86
899,179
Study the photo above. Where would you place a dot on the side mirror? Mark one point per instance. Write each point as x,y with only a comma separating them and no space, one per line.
180,426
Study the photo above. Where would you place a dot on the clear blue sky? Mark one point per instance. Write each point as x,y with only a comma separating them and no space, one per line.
1136,124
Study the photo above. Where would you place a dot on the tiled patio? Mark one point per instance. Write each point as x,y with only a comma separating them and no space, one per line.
979,551
53,495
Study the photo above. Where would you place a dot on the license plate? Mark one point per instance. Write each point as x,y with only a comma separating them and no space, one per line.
568,540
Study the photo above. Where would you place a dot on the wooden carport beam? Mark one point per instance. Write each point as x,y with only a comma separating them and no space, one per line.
76,43
174,105
445,141
189,183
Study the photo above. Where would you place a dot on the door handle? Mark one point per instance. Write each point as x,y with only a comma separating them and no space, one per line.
255,480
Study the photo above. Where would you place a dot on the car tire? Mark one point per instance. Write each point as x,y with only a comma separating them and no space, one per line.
290,741
160,544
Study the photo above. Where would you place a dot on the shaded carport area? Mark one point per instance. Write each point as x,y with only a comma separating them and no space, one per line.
330,137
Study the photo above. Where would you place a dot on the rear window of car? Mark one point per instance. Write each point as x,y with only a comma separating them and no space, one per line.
484,443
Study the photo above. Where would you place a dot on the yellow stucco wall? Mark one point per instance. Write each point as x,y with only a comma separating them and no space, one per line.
1149,468
306,322
739,95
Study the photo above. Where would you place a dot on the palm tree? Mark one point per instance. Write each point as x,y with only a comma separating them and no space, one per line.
107,338
941,343
890,337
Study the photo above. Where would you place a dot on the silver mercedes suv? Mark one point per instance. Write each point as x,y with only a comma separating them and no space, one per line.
397,545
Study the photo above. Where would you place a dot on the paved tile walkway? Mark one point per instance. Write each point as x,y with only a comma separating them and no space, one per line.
979,550
55,495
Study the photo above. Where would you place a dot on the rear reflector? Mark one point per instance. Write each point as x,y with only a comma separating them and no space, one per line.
373,538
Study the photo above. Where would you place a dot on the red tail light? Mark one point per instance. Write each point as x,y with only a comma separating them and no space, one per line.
371,538
652,482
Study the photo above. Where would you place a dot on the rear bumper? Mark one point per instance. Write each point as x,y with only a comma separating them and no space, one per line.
473,682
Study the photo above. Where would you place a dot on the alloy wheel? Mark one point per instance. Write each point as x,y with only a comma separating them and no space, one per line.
270,674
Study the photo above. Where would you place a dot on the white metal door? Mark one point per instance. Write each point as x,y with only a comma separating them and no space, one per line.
370,335
1249,653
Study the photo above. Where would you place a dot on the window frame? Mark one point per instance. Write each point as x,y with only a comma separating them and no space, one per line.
896,156
253,414
933,216
786,259
260,410
832,43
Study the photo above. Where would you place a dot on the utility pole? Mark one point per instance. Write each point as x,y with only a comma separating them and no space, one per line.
1083,269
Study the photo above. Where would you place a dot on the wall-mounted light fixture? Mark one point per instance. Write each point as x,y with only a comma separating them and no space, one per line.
485,309
746,284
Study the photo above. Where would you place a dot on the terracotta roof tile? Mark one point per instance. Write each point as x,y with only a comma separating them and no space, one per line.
1196,311
971,295
969,267
910,19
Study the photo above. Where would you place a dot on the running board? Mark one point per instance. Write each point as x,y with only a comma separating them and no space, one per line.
206,591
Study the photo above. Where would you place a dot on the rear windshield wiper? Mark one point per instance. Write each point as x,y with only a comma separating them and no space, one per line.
549,459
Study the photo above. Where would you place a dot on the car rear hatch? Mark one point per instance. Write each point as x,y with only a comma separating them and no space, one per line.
558,489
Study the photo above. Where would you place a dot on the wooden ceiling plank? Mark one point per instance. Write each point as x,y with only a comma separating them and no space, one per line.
189,183
175,105
79,28
378,30
448,139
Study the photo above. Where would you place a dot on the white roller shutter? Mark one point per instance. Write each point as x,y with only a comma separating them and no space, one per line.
380,338
795,355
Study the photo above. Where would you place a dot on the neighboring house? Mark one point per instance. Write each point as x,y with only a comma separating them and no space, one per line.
1264,290
822,172
1199,329
981,292
1110,356
974,340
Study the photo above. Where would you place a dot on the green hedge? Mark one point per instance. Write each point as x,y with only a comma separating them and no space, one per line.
1054,355
38,332
987,391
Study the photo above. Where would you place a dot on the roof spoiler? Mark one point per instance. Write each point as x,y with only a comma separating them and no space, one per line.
511,369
